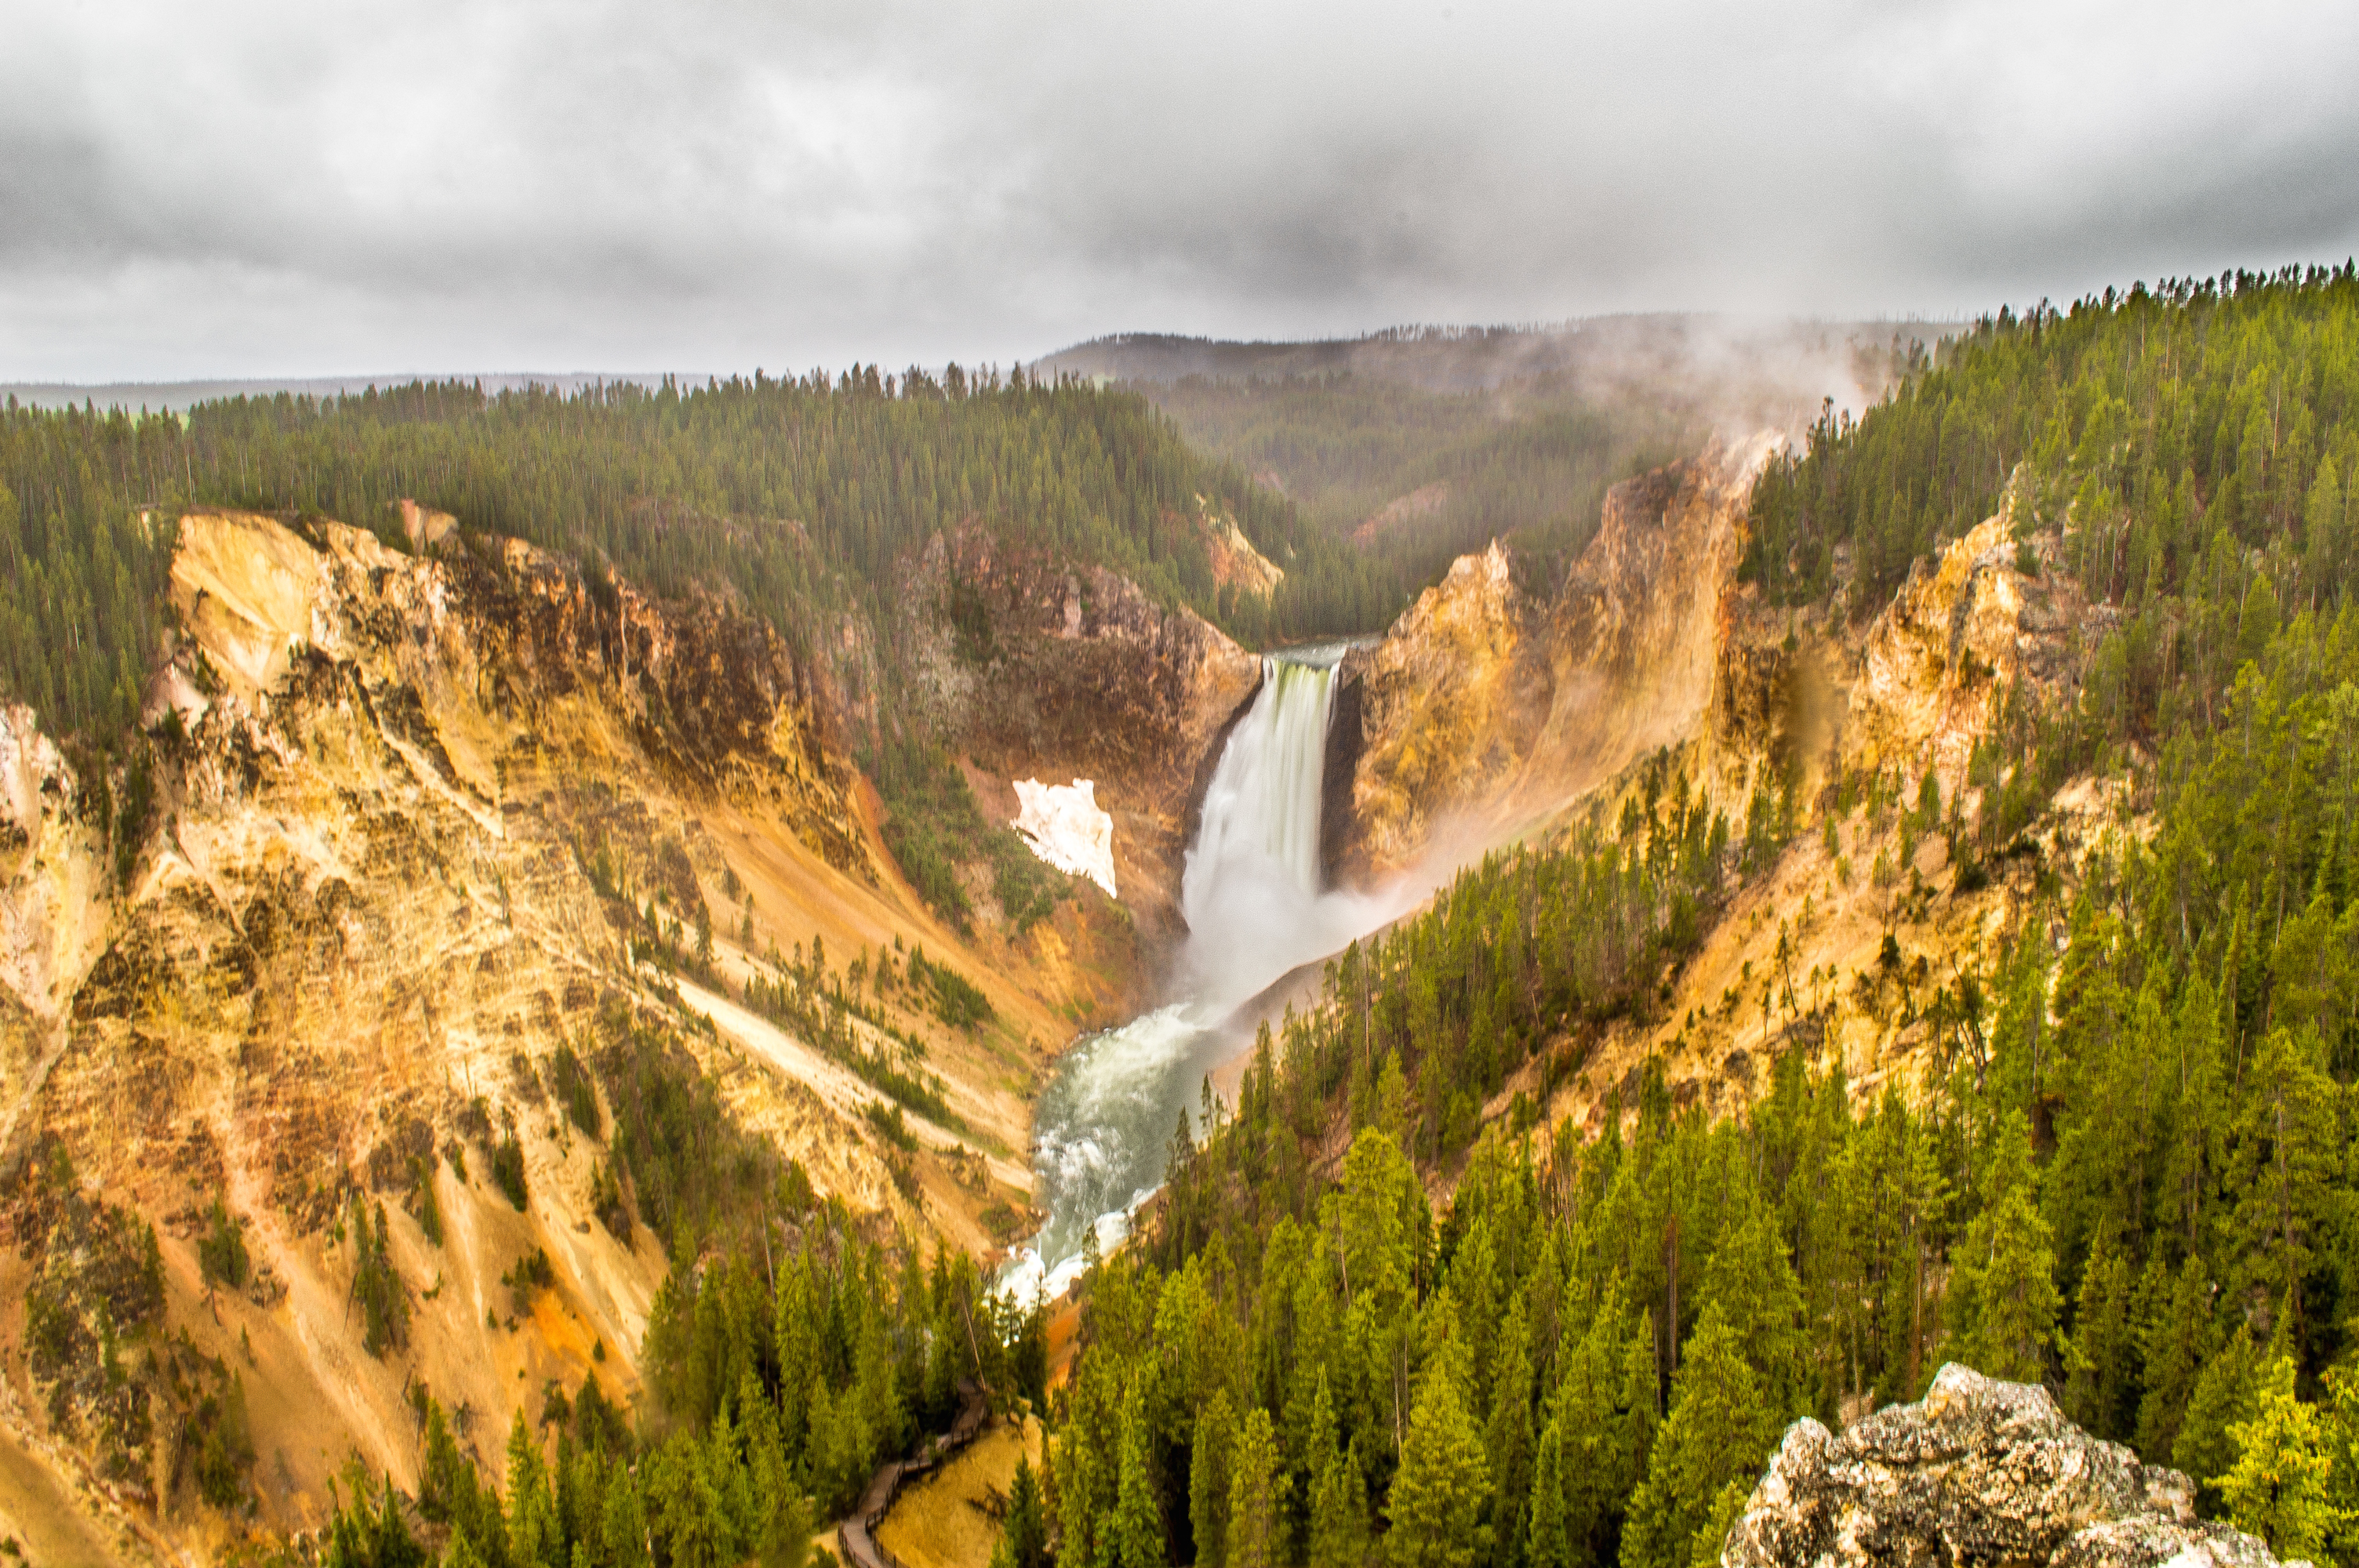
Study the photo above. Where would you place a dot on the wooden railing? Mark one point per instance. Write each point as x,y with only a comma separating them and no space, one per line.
857,1537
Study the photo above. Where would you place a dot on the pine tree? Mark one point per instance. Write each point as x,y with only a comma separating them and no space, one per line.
2322,533
534,1536
2192,1157
1507,1436
1025,1536
1257,1496
1134,1534
2280,1487
1339,1512
2100,1394
2258,621
623,1523
1548,1544
2020,1053
377,1538
1752,1284
1437,1499
1607,1419
2003,1295
1392,1101
2206,1445
2179,1338
1719,1430
1208,1480
2282,1170
1338,1503
1372,1224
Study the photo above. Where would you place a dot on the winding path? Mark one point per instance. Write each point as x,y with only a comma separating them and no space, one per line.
856,1535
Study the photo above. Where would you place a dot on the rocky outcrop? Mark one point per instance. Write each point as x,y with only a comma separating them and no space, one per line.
1812,696
1236,563
1967,624
1633,631
1484,708
1040,669
53,882
713,698
1450,705
1978,1471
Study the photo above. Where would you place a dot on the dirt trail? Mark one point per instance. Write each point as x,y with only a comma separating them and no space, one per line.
952,1518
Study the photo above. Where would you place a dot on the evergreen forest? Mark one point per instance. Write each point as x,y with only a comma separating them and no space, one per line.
803,498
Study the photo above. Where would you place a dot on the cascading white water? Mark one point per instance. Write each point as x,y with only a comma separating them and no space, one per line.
1250,893
1263,803
1251,887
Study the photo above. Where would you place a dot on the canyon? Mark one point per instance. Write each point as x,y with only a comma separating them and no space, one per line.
432,828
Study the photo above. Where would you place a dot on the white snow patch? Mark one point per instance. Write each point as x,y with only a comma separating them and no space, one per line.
1064,826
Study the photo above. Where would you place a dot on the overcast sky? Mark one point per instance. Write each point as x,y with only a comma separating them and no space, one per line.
299,188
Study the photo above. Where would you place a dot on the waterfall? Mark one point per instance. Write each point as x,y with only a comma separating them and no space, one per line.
1263,799
1256,910
1251,880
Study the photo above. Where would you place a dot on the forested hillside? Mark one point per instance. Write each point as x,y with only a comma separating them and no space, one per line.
2133,1178
1415,478
2159,422
800,496
1420,445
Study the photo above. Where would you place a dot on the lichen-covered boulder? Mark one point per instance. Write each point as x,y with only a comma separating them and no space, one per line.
1977,1472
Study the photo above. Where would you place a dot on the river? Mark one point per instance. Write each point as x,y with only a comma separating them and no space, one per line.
1257,909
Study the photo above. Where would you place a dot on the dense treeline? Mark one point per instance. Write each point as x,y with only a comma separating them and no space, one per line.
2132,1172
1529,463
2153,423
799,495
81,567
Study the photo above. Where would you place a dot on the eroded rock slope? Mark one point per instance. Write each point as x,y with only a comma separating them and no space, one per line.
1039,668
424,838
1492,713
1485,709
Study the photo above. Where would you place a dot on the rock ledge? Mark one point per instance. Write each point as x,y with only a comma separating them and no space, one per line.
1978,1472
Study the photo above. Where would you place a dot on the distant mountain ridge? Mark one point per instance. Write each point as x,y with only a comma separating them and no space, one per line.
1598,351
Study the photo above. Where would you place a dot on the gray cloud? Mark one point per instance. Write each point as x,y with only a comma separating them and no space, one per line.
282,189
